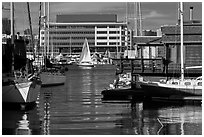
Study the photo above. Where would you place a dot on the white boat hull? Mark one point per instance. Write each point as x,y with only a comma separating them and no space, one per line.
26,92
156,89
52,79
86,64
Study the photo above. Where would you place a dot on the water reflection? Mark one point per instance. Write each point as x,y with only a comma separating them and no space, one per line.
173,120
76,108
15,122
23,126
44,109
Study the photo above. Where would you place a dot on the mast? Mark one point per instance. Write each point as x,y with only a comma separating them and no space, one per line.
70,42
181,29
48,28
39,27
12,33
52,55
31,33
45,36
140,18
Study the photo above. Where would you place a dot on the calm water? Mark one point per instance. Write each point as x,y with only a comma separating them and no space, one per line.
76,108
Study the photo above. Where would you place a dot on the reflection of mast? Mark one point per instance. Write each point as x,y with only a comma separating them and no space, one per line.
23,126
46,123
70,42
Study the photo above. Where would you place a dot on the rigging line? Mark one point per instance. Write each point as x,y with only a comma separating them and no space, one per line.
161,126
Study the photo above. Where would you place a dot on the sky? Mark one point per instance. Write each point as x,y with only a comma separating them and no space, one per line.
154,14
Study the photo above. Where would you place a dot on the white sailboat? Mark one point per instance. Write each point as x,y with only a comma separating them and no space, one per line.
85,58
175,87
19,86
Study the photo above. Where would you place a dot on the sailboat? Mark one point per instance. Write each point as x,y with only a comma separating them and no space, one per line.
85,58
175,87
50,76
20,83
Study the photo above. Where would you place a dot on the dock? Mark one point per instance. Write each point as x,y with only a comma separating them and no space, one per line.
152,67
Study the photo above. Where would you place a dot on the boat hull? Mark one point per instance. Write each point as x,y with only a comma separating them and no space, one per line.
85,65
52,79
23,93
156,90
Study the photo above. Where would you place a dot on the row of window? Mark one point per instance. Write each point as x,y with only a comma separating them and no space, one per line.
81,43
107,37
80,27
70,27
71,32
83,32
110,32
68,38
76,43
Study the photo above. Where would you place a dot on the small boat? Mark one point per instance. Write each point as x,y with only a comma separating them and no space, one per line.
20,83
85,58
174,87
123,81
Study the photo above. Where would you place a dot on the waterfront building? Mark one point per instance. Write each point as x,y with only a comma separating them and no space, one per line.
167,44
192,43
68,33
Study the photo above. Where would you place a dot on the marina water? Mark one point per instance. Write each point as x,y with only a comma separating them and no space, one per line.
77,108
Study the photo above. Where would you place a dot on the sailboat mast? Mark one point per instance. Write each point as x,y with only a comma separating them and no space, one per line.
45,34
39,28
12,32
182,50
31,32
48,28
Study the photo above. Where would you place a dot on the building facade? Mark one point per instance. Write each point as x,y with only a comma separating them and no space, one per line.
67,35
192,35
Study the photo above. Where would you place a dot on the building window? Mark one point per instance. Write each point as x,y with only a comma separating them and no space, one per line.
114,32
114,37
102,43
102,32
101,37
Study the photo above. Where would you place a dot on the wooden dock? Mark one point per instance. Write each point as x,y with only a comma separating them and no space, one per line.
152,67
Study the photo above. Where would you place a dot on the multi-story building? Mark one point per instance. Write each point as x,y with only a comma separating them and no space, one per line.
68,33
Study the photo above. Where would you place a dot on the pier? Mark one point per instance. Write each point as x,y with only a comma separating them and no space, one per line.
154,67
